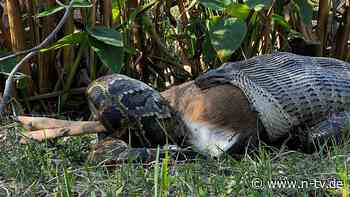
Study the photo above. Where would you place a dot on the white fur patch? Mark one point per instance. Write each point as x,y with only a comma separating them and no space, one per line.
211,140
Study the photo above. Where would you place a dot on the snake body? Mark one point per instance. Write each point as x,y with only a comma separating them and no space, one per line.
288,92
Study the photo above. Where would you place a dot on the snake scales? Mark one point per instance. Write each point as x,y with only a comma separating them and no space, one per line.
289,90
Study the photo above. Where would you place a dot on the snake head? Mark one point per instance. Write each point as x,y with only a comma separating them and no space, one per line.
122,104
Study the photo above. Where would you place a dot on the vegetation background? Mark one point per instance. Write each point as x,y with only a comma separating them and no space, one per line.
161,42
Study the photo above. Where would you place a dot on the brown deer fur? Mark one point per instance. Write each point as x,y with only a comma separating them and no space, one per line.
220,118
224,105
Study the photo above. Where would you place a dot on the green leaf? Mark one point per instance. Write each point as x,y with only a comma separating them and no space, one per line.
53,10
50,11
294,34
82,4
226,35
108,44
216,4
130,50
7,65
142,9
107,35
115,9
257,5
110,55
238,10
71,39
209,53
165,173
281,21
305,10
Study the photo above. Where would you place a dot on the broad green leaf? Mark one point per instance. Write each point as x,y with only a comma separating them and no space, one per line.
53,10
281,21
109,55
108,44
238,10
107,35
216,4
257,5
305,10
226,35
71,39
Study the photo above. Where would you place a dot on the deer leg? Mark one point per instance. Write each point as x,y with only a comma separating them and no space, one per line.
48,128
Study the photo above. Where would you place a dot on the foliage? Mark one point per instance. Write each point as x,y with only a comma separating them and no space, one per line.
108,45
153,40
226,35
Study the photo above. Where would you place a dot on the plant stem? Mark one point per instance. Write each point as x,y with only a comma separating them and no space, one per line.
72,72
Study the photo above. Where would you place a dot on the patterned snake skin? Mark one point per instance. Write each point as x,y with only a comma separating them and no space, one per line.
291,93
123,104
289,90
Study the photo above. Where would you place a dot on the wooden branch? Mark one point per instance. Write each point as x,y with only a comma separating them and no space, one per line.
56,94
73,69
68,52
48,128
107,13
44,43
16,26
4,28
46,73
92,60
322,23
18,54
342,36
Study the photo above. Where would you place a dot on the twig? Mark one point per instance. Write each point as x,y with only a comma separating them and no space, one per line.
19,53
36,48
60,3
72,72
56,94
44,43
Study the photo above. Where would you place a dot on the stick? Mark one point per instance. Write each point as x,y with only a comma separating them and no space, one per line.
88,127
56,94
44,43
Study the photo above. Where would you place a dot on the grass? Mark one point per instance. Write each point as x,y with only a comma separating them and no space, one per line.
61,169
